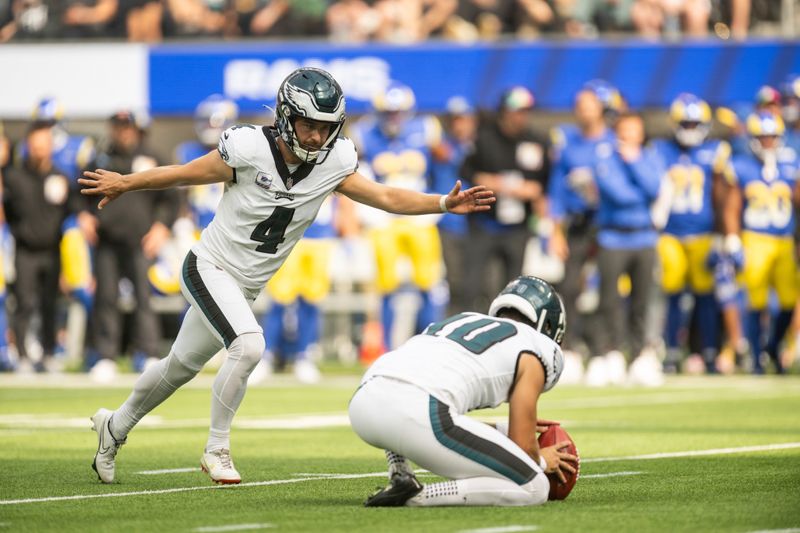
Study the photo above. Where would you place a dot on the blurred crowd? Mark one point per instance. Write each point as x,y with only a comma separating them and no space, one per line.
393,21
673,254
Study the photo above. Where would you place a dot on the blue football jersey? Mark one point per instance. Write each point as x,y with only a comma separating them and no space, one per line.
404,160
562,136
571,189
767,192
691,171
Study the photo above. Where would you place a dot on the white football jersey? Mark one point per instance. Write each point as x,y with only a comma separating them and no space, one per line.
266,208
469,361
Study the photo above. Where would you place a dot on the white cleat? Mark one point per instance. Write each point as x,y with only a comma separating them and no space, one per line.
307,372
597,372
219,466
615,367
646,370
107,446
104,372
261,373
573,368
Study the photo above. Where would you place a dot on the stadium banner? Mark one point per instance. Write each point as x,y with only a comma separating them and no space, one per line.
89,80
649,74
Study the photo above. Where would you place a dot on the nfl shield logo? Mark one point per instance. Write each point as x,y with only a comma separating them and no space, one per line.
264,180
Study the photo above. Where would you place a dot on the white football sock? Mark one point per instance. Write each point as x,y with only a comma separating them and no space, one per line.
156,384
482,491
397,464
230,385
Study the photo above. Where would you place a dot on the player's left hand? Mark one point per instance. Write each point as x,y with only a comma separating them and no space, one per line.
102,183
469,201
544,425
559,461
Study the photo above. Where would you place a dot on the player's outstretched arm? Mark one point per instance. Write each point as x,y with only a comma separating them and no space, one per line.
407,202
209,168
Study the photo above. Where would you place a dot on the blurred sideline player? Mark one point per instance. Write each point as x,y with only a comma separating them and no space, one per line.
397,145
572,198
762,191
766,98
461,123
612,102
511,157
629,183
413,403
790,111
293,324
5,362
693,164
128,237
71,154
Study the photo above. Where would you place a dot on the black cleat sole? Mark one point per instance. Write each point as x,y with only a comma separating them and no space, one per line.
402,489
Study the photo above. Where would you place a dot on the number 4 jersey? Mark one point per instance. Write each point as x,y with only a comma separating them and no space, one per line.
469,361
266,208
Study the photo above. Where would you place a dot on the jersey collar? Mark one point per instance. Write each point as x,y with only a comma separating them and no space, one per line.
290,179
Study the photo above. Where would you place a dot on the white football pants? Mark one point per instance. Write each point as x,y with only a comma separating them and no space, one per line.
220,316
487,467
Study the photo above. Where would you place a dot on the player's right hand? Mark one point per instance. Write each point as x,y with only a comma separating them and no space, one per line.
102,182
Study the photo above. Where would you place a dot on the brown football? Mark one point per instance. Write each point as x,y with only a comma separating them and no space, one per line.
558,490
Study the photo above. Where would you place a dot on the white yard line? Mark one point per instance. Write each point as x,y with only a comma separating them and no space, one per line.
310,475
695,453
609,474
687,396
233,527
317,477
168,471
789,530
184,489
294,421
500,529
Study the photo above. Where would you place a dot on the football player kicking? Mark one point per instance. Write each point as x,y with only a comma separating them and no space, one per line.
275,178
412,402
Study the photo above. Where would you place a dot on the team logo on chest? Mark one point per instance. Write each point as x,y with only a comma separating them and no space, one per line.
264,180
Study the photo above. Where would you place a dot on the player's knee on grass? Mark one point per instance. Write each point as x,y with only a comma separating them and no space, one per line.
248,348
537,490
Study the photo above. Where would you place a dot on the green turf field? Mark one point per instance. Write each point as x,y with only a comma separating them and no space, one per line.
304,470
